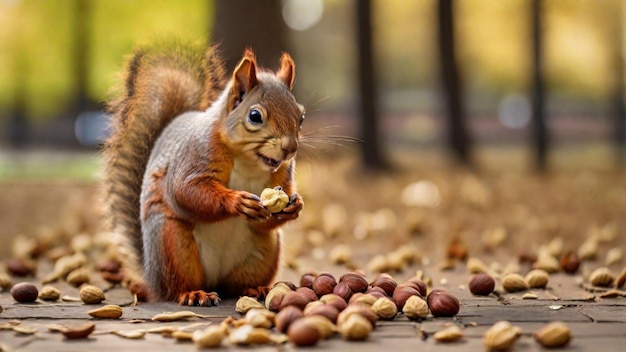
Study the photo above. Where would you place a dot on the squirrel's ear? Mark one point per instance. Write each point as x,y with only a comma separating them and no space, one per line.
287,71
244,79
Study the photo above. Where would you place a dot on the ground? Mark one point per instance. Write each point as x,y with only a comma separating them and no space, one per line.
500,212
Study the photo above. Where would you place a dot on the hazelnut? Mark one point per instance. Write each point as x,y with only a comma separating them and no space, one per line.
358,308
308,293
442,303
402,293
303,332
49,293
245,303
419,284
415,308
294,298
481,284
286,316
537,278
570,263
21,267
24,292
90,294
260,318
385,308
274,297
325,310
246,335
355,281
307,280
450,334
274,199
325,327
343,290
335,301
476,266
288,284
501,336
514,283
355,328
324,284
602,277
385,282
555,334
363,298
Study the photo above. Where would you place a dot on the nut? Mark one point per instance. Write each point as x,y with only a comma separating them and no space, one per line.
307,280
450,334
340,254
417,283
49,293
621,279
343,290
210,337
386,282
355,281
294,298
110,311
90,294
602,277
442,303
475,266
248,335
308,293
385,308
537,278
589,249
555,334
570,263
245,303
514,283
274,199
547,262
24,292
5,281
415,308
324,284
303,332
402,293
614,256
21,267
355,328
260,318
334,300
78,277
326,328
481,284
501,336
358,308
286,316
376,292
275,296
364,298
81,331
325,310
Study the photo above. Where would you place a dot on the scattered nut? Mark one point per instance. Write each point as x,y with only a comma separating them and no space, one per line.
501,336
450,334
324,284
24,292
481,284
21,267
555,334
530,295
415,308
402,293
343,290
340,254
110,311
294,298
514,283
547,263
326,328
385,308
325,310
49,293
602,277
245,303
334,300
386,282
570,263
355,328
476,266
5,281
589,249
303,333
537,278
286,316
358,308
442,303
614,256
78,277
355,281
306,280
81,331
249,335
260,318
210,337
275,296
274,199
621,279
90,294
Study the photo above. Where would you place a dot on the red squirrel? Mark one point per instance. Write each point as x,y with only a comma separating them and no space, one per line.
190,150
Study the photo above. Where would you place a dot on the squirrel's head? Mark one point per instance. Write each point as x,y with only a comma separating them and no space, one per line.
264,118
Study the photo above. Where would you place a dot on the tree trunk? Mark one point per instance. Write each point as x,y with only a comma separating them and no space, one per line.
540,131
457,135
368,106
619,136
256,24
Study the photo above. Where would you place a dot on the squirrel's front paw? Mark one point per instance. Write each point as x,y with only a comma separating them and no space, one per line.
198,298
293,208
251,208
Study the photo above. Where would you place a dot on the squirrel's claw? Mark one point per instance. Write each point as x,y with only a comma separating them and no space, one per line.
199,298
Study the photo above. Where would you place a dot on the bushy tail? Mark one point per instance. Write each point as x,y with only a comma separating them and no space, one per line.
160,83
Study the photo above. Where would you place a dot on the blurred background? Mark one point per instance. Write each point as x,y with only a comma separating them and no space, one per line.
523,84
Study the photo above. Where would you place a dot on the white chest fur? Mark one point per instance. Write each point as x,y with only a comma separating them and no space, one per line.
227,244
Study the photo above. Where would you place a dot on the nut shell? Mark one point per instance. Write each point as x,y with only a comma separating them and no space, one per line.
415,308
303,333
385,308
49,293
294,298
343,290
325,310
443,303
355,328
514,283
537,278
481,284
386,283
286,316
90,294
324,284
402,293
334,300
24,292
274,199
355,281
570,263
553,335
306,280
501,336
602,277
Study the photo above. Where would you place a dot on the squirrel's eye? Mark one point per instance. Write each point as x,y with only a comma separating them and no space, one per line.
301,120
255,116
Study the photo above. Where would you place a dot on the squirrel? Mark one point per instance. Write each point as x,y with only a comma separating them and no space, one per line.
189,151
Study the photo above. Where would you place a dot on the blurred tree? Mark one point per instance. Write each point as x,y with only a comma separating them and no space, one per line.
618,86
368,98
458,138
540,132
257,24
18,125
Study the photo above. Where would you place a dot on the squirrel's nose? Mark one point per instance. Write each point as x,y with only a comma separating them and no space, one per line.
289,146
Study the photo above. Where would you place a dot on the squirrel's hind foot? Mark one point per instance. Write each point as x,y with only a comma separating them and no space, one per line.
199,298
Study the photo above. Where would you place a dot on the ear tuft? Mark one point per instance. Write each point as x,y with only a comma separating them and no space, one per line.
287,71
